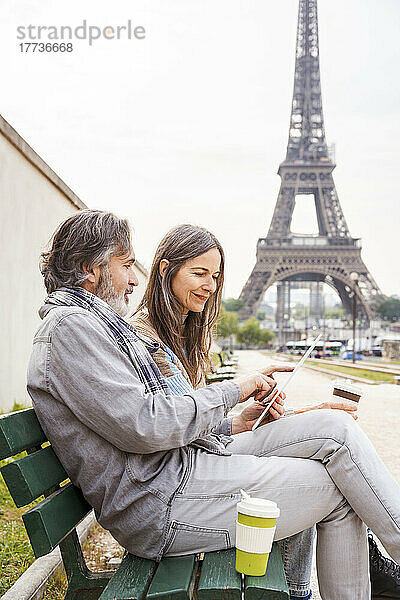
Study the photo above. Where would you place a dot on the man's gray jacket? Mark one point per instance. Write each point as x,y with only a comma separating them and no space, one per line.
128,450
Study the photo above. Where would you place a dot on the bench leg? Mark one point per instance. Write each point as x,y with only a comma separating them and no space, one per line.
82,582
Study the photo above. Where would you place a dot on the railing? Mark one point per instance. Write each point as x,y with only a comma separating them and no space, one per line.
311,240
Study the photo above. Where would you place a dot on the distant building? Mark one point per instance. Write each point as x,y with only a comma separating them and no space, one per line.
34,200
266,308
391,350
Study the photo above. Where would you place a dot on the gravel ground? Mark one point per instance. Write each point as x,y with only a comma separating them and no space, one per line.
379,410
379,416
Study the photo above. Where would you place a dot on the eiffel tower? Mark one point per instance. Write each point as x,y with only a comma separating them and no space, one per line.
332,256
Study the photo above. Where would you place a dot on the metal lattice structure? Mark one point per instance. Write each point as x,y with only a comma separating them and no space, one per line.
332,256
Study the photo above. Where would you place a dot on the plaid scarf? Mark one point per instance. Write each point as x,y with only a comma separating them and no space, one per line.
137,348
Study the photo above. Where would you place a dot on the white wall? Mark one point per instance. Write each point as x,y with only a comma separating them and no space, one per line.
33,201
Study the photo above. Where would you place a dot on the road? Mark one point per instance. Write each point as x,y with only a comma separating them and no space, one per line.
379,409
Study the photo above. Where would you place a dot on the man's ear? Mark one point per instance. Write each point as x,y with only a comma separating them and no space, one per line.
163,265
93,273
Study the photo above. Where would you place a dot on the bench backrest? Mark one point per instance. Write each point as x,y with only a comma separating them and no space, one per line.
36,474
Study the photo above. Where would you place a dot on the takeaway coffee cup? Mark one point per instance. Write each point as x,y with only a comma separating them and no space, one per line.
345,388
255,529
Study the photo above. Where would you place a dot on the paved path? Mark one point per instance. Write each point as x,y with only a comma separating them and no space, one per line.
379,411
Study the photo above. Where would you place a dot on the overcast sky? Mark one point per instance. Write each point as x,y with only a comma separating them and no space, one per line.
190,124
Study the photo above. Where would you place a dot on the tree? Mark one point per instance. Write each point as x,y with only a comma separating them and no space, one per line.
227,323
251,334
232,304
260,315
389,309
265,337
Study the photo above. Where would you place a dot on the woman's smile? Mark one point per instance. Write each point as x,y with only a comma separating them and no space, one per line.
200,297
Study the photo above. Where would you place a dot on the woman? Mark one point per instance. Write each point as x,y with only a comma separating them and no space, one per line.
184,332
178,310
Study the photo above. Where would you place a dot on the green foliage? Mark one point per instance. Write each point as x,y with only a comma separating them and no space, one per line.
389,309
336,313
56,587
265,337
15,551
251,334
232,304
17,406
260,315
227,323
364,373
16,554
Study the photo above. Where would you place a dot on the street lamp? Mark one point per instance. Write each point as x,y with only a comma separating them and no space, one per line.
354,278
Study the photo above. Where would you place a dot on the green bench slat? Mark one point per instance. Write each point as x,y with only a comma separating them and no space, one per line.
52,520
31,476
131,579
215,378
19,431
218,578
274,581
173,579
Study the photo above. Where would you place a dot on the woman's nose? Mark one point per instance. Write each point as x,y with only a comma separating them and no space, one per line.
210,285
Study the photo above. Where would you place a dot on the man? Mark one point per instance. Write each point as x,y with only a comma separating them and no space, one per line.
148,462
100,397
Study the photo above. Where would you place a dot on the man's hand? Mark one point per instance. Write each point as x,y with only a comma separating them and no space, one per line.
257,385
249,415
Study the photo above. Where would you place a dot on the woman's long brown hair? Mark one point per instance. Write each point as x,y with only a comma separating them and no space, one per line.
191,343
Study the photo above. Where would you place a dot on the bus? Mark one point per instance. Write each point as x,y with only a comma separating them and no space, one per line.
323,348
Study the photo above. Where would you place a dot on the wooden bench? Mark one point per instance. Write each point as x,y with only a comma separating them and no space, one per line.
219,370
53,522
227,360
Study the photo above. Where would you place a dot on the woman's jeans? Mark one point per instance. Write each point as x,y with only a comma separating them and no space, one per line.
297,553
321,469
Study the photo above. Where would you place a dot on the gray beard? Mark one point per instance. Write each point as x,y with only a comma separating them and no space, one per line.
106,292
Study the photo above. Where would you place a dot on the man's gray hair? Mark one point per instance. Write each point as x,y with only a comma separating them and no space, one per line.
90,238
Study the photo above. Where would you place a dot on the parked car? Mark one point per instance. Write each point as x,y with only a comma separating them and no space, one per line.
376,350
348,355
